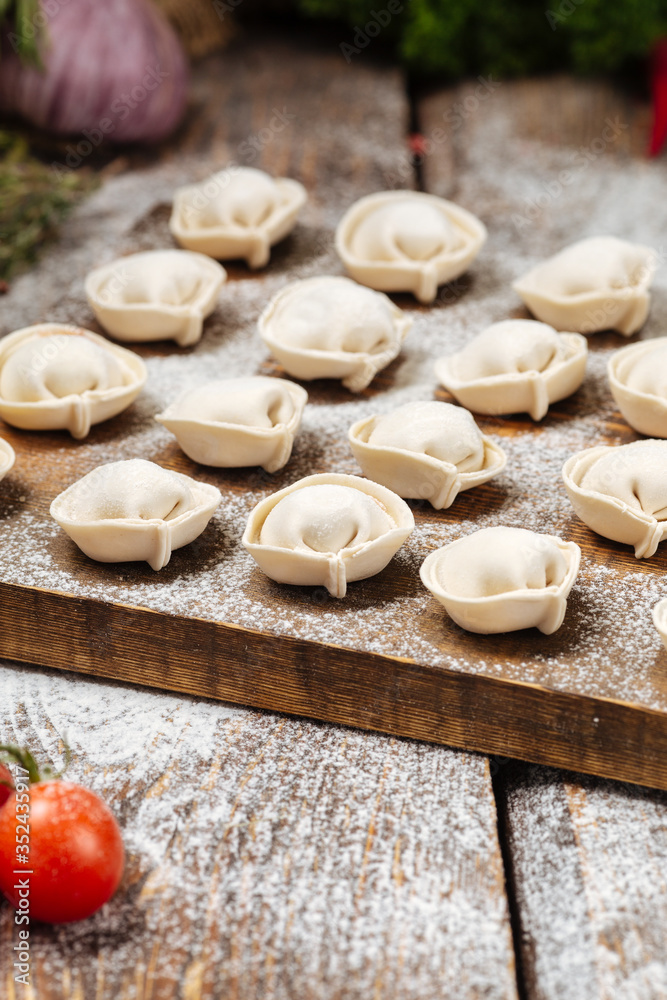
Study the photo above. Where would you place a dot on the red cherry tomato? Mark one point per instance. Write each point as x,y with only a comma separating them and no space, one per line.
75,852
6,783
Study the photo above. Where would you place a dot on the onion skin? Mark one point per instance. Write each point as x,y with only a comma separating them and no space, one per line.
112,68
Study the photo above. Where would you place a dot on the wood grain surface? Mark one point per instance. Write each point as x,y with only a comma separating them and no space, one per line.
570,699
266,857
588,877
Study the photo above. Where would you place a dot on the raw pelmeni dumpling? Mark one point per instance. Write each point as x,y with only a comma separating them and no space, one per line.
515,366
333,328
7,457
621,492
327,530
407,241
238,421
638,382
238,212
600,283
425,450
133,511
156,295
502,579
57,377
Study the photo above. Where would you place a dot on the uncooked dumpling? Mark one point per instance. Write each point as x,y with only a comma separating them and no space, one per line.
599,283
621,492
238,421
425,450
638,382
333,328
501,579
408,241
7,457
660,619
327,530
515,366
239,212
134,510
58,377
156,295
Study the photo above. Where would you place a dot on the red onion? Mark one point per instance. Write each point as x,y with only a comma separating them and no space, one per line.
113,69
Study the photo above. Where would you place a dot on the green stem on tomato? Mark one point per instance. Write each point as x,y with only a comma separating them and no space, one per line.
23,757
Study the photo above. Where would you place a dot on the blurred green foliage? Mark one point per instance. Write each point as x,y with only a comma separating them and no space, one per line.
502,37
33,201
23,28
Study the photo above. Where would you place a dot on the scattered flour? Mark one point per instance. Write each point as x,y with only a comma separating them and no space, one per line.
608,645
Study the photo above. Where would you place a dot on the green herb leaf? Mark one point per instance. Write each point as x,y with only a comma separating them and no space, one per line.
33,201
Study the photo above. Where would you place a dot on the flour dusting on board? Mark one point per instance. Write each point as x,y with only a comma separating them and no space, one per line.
608,645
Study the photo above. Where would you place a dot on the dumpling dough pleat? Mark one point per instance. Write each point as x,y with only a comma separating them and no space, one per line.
448,433
58,366
247,402
509,346
404,230
635,474
245,199
336,317
327,518
500,560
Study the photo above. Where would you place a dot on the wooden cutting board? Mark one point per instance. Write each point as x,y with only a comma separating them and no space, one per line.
592,697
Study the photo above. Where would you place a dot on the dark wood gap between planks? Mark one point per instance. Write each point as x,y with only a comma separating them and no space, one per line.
499,768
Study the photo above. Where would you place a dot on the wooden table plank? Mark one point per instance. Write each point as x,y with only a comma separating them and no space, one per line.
568,699
585,858
266,856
